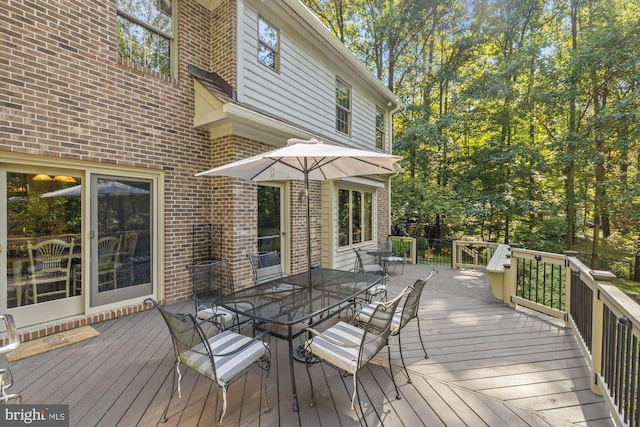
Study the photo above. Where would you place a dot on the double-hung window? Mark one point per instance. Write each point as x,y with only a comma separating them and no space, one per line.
379,129
343,107
268,45
355,216
145,33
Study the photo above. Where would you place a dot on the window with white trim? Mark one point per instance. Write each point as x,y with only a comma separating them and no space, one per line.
355,216
145,33
343,107
268,45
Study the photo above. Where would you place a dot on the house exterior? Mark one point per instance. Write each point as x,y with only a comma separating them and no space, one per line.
110,108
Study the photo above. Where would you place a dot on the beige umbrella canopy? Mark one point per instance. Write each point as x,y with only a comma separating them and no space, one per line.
308,160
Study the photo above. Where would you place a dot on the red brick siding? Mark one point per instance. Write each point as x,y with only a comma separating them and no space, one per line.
67,95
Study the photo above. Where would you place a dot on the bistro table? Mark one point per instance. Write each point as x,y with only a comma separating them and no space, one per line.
282,304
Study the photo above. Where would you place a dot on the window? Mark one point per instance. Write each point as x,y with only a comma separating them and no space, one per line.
343,107
355,217
379,129
145,33
268,44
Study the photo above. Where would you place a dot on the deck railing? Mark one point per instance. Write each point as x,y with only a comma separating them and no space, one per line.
471,254
605,319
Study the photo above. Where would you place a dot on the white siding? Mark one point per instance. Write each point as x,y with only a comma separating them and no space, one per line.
303,91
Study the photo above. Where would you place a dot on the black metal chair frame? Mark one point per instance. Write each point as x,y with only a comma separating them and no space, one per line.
189,339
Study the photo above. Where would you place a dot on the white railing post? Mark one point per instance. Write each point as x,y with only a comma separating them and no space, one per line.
454,254
597,328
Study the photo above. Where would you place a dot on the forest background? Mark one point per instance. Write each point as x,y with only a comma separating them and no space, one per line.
520,119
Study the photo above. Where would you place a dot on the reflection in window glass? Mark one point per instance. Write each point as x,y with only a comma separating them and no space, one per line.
355,217
356,210
343,107
145,33
267,44
367,218
269,219
43,237
343,217
124,233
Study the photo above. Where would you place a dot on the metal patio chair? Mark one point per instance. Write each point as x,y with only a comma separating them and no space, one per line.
403,315
223,358
398,256
6,379
211,279
380,289
349,348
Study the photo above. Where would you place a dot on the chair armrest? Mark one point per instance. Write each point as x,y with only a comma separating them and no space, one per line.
12,334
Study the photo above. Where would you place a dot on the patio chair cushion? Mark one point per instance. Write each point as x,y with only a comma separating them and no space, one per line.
344,358
392,259
364,314
377,289
227,367
223,317
372,268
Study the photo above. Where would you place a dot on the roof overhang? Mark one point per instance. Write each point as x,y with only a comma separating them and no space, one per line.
222,117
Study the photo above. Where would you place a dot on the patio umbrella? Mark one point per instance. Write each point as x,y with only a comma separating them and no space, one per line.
308,160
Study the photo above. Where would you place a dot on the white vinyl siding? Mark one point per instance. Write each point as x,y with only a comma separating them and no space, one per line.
303,92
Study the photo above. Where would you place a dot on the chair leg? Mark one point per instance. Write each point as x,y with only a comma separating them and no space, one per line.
406,371
426,356
355,391
308,363
391,372
164,418
215,409
266,381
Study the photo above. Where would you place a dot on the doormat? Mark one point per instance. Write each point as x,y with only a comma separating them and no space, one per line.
51,342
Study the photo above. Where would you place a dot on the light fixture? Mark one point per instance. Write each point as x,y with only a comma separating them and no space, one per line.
42,177
64,178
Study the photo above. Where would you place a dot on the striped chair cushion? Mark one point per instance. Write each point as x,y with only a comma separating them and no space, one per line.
377,289
345,358
372,268
224,317
364,314
227,367
393,259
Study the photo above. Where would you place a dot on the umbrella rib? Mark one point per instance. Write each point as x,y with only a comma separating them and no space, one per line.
264,169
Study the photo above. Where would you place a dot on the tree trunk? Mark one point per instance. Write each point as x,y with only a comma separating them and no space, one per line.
569,170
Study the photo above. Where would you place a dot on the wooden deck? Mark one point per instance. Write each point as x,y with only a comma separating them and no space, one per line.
489,365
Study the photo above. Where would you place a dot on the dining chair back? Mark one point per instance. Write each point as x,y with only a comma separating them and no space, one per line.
266,267
223,358
380,289
349,348
210,280
49,268
398,253
108,252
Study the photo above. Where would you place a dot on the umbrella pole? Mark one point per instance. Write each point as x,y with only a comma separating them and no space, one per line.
306,189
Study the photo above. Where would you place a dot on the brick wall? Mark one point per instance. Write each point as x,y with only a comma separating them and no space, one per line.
223,42
67,97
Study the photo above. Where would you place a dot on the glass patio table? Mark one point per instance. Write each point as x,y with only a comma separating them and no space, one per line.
285,306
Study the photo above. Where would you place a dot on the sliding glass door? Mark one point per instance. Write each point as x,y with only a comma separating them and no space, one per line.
41,245
72,241
121,238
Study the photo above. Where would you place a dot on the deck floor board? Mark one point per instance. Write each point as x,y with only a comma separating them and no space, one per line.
488,365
